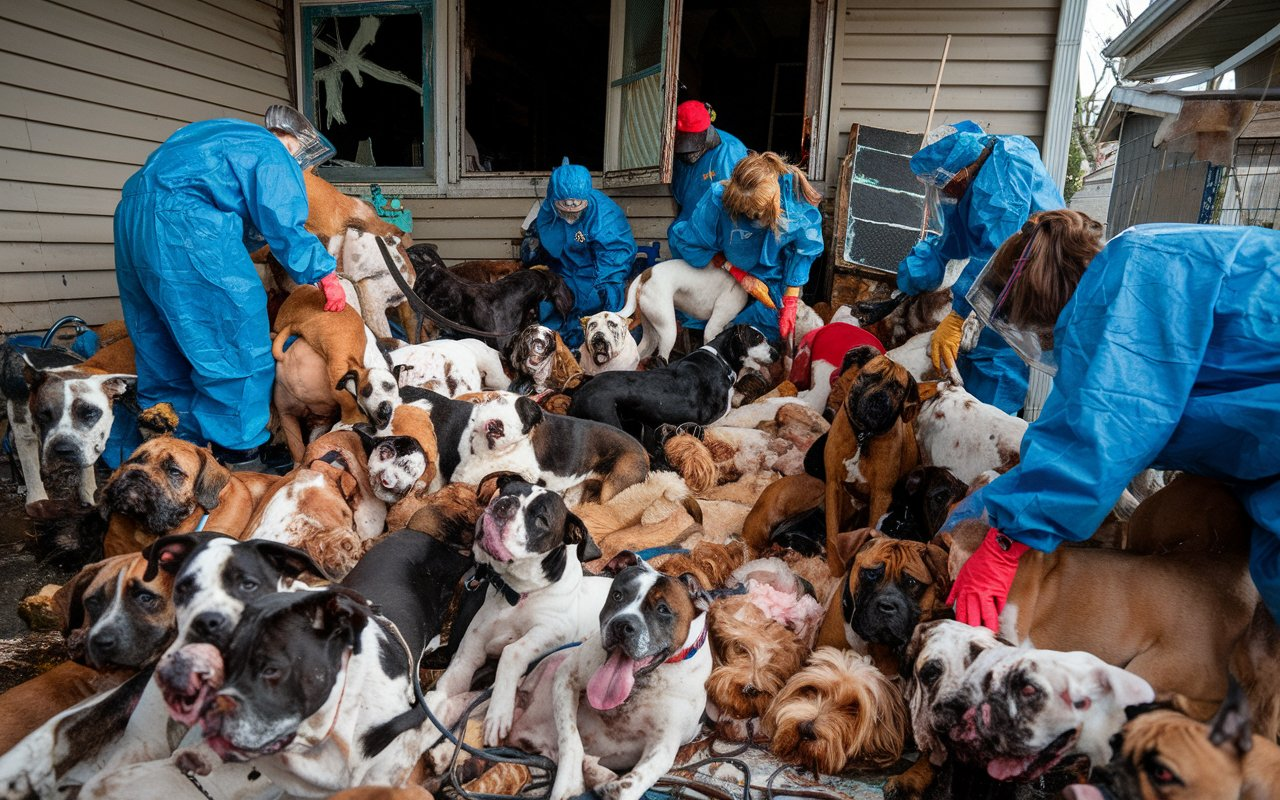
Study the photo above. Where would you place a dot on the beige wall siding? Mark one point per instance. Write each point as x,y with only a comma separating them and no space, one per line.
87,91
886,61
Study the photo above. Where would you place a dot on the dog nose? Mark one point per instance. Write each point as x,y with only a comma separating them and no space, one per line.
384,411
505,507
209,624
64,449
623,627
807,731
750,691
887,605
103,644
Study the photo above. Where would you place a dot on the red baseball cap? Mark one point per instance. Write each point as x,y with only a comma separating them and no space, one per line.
692,122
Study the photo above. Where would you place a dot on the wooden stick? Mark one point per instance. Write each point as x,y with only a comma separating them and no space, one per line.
928,125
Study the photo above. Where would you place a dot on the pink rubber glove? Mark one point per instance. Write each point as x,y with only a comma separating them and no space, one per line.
334,298
787,317
982,587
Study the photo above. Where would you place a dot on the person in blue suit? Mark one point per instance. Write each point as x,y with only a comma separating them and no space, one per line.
1167,354
589,244
986,186
193,302
764,221
705,155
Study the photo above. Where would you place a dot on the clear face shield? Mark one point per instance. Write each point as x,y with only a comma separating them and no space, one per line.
990,301
313,147
569,210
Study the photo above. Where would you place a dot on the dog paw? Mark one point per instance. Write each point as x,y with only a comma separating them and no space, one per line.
497,723
194,761
46,509
897,789
622,789
569,783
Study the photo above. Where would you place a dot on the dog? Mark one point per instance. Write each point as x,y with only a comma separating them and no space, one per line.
66,421
359,374
502,307
115,623
958,431
642,669
169,485
530,548
542,360
213,577
819,357
326,506
709,294
607,344
485,270
837,711
870,446
697,388
921,501
403,466
1161,753
889,587
450,366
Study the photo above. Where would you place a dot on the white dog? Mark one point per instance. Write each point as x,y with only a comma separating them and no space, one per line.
607,345
708,293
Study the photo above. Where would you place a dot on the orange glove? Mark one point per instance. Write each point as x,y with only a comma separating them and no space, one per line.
334,298
750,283
982,587
787,319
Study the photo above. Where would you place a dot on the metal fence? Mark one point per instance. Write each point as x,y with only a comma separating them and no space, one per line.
1251,192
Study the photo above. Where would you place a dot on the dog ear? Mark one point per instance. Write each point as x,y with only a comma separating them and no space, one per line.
396,369
350,382
911,402
698,595
349,486
927,390
210,481
492,483
815,461
848,543
936,559
619,562
575,532
530,414
1231,723
69,599
561,294
115,385
334,614
1127,688
289,561
171,552
583,322
368,436
33,377
911,483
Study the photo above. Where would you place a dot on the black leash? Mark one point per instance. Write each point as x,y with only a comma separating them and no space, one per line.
420,305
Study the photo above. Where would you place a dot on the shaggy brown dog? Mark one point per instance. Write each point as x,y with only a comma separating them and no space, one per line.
837,712
753,657
712,564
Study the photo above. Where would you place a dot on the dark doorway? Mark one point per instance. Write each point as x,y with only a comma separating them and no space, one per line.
748,59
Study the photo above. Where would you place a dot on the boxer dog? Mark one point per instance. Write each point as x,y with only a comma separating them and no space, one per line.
169,485
1161,753
889,587
541,359
607,344
697,388
870,446
530,549
213,577
643,671
710,294
66,421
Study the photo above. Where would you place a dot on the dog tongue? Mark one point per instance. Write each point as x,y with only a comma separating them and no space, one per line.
601,357
610,686
1005,768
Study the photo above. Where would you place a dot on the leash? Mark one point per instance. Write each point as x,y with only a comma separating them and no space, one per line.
483,575
728,367
420,305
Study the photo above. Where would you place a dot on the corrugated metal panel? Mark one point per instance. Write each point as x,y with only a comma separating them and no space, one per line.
87,90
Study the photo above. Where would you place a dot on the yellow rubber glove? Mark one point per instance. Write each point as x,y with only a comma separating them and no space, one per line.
945,345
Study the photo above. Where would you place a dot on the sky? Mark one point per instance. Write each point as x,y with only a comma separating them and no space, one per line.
1102,23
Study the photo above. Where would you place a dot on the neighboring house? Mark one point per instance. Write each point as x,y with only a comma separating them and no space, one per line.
1203,154
1094,195
462,107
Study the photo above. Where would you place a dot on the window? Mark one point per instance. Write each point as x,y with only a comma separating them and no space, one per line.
367,86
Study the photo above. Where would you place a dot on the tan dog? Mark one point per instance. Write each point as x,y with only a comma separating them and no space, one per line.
359,375
870,446
890,586
753,656
607,345
1166,755
839,711
167,486
325,506
784,499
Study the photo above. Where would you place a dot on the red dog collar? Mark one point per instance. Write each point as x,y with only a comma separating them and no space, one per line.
691,650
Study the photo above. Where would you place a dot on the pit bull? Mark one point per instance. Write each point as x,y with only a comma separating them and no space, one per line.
169,485
530,550
403,463
607,345
697,388
709,294
541,360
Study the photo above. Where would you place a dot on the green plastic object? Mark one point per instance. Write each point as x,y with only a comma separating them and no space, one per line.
391,209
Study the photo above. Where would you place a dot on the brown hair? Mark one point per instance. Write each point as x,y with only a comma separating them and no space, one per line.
754,190
1057,246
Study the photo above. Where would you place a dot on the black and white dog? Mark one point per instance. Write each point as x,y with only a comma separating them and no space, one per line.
697,388
531,548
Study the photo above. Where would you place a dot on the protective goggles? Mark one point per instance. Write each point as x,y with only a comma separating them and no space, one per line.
990,298
314,147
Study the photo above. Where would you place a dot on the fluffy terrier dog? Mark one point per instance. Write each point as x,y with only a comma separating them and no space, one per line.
838,712
753,657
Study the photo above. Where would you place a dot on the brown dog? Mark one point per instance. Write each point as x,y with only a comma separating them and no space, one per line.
485,270
753,657
870,446
784,499
890,586
1165,755
167,485
359,375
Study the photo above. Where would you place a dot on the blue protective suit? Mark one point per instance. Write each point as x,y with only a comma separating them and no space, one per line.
593,255
779,259
689,182
1011,186
1168,355
193,302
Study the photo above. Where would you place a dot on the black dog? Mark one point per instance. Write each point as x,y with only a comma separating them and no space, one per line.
697,388
921,500
504,306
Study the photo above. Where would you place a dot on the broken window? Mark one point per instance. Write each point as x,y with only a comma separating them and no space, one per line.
367,87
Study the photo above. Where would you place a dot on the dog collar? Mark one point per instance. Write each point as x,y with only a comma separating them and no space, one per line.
727,366
204,520
691,650
334,458
485,575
